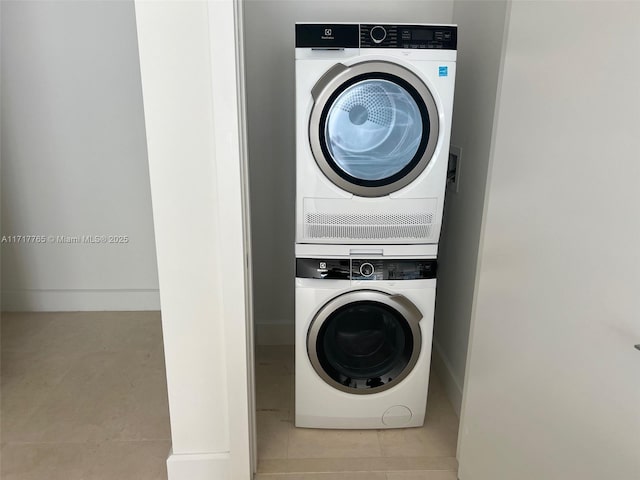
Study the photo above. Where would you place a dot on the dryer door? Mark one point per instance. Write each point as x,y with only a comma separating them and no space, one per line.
373,127
365,341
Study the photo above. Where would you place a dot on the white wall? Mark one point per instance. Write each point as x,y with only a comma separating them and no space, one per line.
480,41
74,158
270,43
552,387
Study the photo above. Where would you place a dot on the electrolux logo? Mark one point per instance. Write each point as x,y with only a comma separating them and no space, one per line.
328,34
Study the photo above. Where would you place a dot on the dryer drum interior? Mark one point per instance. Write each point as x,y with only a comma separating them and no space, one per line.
374,130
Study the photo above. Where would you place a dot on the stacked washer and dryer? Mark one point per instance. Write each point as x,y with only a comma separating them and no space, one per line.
373,120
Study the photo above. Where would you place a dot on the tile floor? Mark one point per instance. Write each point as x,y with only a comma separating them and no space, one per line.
289,453
83,396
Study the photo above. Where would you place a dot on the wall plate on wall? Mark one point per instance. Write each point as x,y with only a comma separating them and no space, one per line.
453,168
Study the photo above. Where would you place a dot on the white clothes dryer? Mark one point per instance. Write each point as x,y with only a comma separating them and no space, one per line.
373,120
363,339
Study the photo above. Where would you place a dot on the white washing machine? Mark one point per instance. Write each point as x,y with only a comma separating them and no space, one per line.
363,337
373,120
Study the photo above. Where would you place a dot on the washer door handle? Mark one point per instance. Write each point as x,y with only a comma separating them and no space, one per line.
407,308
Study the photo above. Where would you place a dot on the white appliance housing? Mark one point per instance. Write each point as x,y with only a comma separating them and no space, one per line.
373,121
363,338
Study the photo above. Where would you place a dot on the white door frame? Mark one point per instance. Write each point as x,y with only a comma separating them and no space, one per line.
191,64
230,138
242,427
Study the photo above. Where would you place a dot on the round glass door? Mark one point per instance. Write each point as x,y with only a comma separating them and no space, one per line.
373,130
373,127
364,345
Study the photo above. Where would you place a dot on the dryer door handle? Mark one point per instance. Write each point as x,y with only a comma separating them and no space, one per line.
324,80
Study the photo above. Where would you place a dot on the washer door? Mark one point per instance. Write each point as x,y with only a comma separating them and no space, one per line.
365,341
373,127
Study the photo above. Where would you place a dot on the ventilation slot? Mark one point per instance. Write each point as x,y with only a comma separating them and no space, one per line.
368,226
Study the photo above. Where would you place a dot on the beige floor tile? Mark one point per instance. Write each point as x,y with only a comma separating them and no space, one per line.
278,356
274,378
355,464
139,460
54,461
28,378
438,405
423,475
273,434
144,460
317,443
393,464
31,378
334,465
69,382
323,476
314,465
272,466
274,392
17,330
41,370
432,440
81,331
105,396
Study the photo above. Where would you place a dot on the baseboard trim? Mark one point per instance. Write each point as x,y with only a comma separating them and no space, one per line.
200,466
274,333
444,370
79,300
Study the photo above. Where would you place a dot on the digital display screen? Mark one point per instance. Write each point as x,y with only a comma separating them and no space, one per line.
422,35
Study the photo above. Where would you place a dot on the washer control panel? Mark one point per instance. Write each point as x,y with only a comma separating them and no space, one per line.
366,269
335,36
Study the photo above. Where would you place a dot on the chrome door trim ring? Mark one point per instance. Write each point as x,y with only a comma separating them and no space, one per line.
400,303
329,83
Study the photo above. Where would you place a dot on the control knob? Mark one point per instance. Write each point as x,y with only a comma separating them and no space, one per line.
378,34
366,269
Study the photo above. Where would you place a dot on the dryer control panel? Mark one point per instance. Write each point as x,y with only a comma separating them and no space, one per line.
341,35
366,269
408,36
